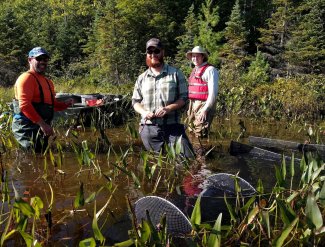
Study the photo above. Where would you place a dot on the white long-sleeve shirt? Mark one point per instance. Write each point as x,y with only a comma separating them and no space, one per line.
211,76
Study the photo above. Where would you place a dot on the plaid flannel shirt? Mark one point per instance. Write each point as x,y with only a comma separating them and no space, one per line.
154,92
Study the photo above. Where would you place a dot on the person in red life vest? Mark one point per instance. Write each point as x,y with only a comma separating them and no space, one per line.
203,90
35,103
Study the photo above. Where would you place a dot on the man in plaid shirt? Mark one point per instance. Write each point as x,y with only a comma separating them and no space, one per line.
159,95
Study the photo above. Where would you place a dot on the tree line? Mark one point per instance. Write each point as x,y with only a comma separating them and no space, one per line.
103,41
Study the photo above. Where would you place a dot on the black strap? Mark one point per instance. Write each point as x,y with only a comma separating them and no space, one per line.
41,89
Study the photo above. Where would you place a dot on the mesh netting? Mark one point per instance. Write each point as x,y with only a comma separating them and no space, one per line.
225,182
177,223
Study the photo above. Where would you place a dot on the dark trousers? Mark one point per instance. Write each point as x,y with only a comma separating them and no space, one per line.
29,135
154,137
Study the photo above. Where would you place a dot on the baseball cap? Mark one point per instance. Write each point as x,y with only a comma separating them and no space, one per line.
37,51
154,42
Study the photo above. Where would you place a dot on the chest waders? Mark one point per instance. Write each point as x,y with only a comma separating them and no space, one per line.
27,133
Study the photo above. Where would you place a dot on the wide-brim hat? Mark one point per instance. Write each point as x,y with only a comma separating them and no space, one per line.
197,49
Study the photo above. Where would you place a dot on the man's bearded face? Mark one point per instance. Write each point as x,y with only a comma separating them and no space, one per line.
154,59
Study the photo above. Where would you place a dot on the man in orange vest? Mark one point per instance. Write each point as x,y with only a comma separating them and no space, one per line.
35,103
203,90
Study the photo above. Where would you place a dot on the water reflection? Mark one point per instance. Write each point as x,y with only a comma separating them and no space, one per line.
34,174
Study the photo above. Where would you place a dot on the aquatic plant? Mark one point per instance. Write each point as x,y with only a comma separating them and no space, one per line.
285,216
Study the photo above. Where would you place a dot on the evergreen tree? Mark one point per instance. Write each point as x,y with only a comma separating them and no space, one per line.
255,14
186,41
306,47
208,36
106,44
258,71
13,46
233,52
122,33
275,36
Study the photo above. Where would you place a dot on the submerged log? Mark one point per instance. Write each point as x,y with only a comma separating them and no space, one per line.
237,148
281,144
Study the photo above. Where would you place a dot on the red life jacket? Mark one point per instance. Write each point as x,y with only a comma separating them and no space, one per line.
197,88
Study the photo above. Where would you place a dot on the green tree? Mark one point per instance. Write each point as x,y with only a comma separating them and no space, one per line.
208,36
276,34
258,71
255,13
121,34
186,40
12,46
59,26
305,51
234,51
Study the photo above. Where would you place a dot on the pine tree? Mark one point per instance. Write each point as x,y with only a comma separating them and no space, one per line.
306,48
275,36
106,45
233,52
13,46
186,41
208,36
255,13
258,71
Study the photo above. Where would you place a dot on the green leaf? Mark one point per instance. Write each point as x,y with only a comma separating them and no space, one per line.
17,196
280,240
287,214
144,158
215,235
38,205
4,234
284,168
97,233
52,198
249,203
89,242
303,164
80,198
266,221
29,240
196,214
292,196
178,147
126,243
136,180
322,195
252,214
260,187
313,213
153,229
231,211
145,231
279,176
91,198
292,165
316,173
24,207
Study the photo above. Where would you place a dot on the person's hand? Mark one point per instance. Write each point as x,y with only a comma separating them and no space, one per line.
46,128
148,115
202,116
161,112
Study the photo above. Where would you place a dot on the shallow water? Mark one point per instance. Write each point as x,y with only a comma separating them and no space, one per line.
33,175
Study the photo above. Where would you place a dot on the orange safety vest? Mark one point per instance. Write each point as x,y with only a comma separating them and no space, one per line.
197,88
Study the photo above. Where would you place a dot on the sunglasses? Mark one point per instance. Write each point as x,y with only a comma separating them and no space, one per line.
155,51
42,58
